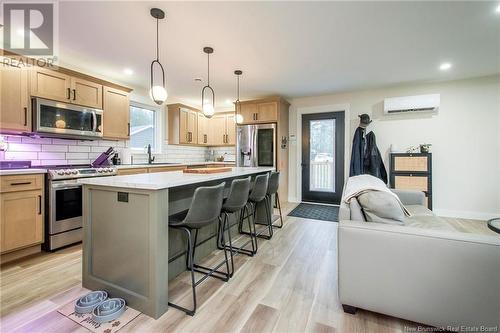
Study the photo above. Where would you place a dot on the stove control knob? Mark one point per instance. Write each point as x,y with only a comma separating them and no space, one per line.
67,172
75,172
60,172
99,170
109,170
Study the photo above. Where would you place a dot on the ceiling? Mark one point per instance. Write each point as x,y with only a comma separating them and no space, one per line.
288,48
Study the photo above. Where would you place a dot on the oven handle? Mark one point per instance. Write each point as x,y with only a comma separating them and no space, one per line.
65,186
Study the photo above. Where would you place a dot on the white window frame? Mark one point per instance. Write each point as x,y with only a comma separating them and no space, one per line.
157,128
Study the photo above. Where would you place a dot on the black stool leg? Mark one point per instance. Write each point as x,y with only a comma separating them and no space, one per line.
278,204
230,244
224,276
189,263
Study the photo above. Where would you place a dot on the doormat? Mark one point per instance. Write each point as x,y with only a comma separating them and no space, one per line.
316,212
85,320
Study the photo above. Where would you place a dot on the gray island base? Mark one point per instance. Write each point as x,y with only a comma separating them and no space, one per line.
128,249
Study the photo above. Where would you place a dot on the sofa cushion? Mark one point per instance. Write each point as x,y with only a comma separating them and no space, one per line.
429,222
419,210
381,207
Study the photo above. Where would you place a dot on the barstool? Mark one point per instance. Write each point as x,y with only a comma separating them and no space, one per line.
204,210
257,195
272,189
236,202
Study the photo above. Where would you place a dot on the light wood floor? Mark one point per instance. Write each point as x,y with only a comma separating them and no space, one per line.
290,286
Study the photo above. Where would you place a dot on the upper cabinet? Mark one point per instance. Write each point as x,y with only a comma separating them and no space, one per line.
188,126
61,87
116,114
182,124
262,111
14,99
50,84
223,129
87,93
203,130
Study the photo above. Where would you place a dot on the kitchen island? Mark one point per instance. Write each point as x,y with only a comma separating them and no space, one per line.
128,249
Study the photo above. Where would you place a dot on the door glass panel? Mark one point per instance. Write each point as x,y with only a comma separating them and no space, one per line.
322,155
265,149
68,203
54,117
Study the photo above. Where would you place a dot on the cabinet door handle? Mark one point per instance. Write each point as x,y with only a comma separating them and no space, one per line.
22,183
25,116
39,205
205,138
128,129
74,94
69,93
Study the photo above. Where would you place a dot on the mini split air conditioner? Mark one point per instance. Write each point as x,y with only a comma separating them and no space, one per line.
409,104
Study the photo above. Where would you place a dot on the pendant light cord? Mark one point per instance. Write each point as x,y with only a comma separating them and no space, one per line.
208,69
157,42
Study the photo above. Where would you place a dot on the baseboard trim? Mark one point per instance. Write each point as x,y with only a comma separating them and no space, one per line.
466,214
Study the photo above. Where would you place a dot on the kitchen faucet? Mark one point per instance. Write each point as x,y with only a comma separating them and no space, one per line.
150,158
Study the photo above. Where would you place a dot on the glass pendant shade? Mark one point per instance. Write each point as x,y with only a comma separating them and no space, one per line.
207,93
208,109
239,118
158,94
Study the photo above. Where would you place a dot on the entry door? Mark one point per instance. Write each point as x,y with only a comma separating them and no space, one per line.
323,157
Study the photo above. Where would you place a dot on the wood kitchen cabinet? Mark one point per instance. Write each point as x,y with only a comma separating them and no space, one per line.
204,136
263,110
21,213
223,132
86,93
182,124
62,87
230,129
50,84
15,110
116,114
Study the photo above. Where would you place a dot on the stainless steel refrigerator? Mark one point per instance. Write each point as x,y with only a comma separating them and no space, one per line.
256,145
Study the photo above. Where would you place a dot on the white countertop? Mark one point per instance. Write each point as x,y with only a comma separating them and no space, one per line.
160,164
163,180
5,172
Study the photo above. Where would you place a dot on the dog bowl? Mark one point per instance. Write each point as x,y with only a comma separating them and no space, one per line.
108,310
88,302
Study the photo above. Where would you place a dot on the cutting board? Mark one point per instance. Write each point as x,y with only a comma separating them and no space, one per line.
208,170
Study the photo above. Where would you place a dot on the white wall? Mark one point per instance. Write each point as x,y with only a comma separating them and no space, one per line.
465,138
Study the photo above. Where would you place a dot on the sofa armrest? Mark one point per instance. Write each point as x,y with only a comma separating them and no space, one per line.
410,197
438,278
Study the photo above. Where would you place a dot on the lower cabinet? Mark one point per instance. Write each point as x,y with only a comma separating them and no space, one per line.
21,212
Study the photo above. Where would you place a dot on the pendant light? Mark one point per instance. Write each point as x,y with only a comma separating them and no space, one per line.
207,105
237,103
158,93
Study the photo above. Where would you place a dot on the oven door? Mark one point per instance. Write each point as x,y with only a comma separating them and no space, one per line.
65,211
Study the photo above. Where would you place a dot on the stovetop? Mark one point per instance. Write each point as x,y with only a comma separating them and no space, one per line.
59,172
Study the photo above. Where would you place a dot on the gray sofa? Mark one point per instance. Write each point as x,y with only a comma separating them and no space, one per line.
424,271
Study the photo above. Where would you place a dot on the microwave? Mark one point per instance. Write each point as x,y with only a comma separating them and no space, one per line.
56,119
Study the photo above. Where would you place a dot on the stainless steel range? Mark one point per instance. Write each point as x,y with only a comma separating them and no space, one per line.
64,205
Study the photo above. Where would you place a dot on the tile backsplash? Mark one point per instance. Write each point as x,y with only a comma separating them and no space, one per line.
49,151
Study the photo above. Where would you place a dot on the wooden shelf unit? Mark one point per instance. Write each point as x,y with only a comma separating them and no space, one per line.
412,171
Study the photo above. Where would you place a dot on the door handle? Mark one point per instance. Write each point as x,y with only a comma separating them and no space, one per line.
69,93
74,94
25,116
39,205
